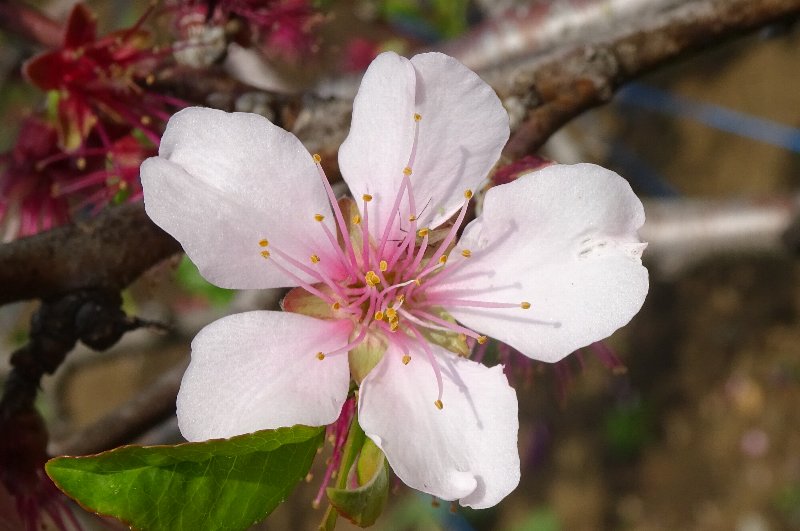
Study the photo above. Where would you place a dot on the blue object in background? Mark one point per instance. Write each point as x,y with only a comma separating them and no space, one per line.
716,116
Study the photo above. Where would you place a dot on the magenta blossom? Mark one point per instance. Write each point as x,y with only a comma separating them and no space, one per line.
384,293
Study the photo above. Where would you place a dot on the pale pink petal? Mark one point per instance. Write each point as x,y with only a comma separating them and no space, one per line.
225,181
466,451
462,130
258,370
563,239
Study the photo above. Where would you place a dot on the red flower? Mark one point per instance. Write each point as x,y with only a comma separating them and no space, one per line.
41,184
101,80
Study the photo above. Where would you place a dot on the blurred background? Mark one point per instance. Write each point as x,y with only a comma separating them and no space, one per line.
696,425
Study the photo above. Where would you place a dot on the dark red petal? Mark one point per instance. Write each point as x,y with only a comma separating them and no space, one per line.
81,27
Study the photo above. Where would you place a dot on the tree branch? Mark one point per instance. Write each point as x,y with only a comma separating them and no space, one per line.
555,90
109,252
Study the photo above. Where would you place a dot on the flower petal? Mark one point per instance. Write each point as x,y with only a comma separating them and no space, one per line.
225,181
563,239
467,450
258,370
462,130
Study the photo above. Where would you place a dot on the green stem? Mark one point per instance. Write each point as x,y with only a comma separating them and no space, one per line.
352,447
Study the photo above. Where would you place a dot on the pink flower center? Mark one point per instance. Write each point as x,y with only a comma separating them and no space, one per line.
384,286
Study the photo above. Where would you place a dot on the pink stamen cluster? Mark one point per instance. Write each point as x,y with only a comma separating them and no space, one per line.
386,287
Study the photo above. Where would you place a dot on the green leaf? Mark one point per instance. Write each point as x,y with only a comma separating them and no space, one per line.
221,484
364,505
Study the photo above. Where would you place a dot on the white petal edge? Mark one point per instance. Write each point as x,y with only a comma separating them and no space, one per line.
564,239
225,181
462,131
468,450
258,370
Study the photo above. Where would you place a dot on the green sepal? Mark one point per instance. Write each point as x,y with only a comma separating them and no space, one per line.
298,300
452,341
224,484
364,357
363,505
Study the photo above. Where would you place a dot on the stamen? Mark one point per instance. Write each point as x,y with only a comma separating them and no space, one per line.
314,259
356,219
365,246
407,171
379,315
431,359
383,265
422,233
466,253
439,405
454,229
371,279
525,305
337,214
350,346
263,243
336,248
406,359
300,282
320,356
474,304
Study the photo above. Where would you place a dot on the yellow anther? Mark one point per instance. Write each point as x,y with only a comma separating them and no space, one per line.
406,359
422,233
393,326
524,305
438,404
356,219
417,117
443,259
263,243
482,340
412,217
406,171
309,477
391,313
466,253
316,158
81,163
265,254
417,282
314,259
146,120
468,194
384,265
319,217
372,279
336,305
366,197
379,315
150,79
320,356
401,299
